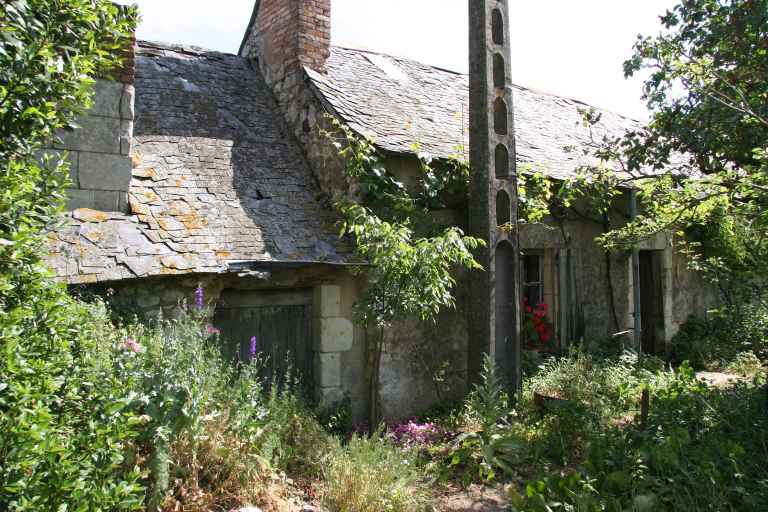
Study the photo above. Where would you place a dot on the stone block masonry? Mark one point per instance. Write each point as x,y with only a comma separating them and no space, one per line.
287,39
334,335
99,150
338,345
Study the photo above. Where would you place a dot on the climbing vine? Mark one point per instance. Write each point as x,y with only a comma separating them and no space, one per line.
409,275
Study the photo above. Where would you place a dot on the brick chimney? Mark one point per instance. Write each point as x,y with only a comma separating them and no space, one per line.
284,36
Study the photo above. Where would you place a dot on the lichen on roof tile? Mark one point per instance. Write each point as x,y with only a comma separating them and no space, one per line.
215,179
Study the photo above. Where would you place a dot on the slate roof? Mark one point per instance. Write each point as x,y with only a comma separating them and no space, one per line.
398,102
215,180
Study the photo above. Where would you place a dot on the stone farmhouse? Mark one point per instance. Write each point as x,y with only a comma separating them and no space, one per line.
202,168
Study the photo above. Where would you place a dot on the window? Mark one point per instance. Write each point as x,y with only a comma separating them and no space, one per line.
499,72
503,208
533,278
502,162
539,300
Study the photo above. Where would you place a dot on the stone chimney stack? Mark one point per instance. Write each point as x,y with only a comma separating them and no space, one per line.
494,323
283,37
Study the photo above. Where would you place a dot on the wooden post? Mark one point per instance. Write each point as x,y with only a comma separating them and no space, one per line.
645,404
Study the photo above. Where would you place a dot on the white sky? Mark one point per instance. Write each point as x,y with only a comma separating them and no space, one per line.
574,48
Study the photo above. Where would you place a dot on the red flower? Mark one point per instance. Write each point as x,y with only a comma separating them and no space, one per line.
528,309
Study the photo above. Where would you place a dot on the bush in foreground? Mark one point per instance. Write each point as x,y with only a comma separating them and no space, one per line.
700,448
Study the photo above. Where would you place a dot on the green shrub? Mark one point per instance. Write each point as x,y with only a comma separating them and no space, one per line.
746,364
608,388
370,474
66,420
337,417
293,439
702,449
713,343
178,377
485,449
216,433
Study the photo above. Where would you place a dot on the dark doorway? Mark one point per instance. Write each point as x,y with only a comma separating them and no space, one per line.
281,323
651,302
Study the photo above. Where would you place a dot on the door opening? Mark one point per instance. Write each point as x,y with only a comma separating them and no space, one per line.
277,324
651,303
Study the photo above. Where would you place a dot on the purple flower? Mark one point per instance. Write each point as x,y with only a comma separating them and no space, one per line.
212,330
199,297
254,346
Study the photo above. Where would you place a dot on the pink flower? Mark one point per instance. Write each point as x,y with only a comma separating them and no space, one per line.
133,345
212,330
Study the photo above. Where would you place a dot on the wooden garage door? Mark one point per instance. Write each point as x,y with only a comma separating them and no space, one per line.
282,324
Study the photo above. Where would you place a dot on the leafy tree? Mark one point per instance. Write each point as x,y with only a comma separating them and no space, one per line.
53,455
408,275
700,166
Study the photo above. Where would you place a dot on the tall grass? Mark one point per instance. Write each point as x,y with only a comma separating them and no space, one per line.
217,436
370,474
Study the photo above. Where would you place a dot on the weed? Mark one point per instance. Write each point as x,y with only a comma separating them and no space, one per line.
371,474
746,364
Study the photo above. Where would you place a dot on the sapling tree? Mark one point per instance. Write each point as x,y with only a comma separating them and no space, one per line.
408,275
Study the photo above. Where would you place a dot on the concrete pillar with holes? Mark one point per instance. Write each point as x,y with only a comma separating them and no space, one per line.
494,311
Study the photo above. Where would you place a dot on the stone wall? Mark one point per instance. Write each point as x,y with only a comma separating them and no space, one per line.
424,363
99,150
690,293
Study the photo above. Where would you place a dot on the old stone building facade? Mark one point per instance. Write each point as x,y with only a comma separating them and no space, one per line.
211,169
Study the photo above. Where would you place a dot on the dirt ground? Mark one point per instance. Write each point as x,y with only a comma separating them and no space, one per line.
719,379
476,498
